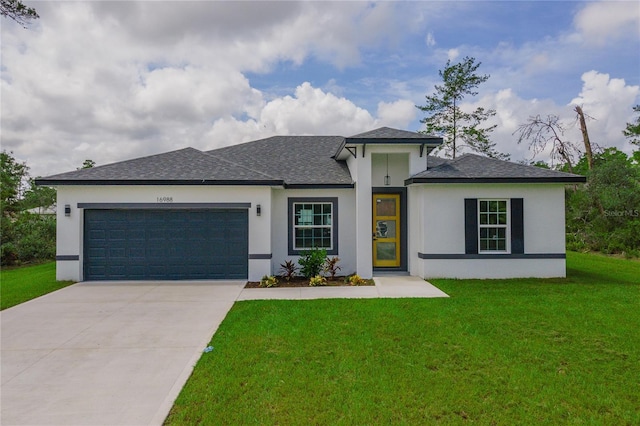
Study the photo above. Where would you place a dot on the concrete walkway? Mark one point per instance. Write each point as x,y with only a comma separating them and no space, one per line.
118,353
386,287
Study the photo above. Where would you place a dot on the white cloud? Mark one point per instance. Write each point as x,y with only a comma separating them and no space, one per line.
115,80
430,40
609,101
397,114
609,20
311,111
452,54
194,94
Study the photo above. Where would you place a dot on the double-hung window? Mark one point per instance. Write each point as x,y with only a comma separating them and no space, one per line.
492,225
312,224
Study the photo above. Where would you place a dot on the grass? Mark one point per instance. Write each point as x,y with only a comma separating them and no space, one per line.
552,351
21,284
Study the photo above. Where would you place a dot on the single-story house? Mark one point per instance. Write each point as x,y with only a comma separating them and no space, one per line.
376,200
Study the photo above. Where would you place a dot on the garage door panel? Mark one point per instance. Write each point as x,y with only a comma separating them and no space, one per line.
166,244
98,235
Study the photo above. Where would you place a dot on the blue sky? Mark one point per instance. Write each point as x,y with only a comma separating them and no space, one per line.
116,80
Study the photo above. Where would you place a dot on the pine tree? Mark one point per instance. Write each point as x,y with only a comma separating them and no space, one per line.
446,119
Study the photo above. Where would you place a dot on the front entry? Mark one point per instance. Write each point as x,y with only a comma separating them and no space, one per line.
386,230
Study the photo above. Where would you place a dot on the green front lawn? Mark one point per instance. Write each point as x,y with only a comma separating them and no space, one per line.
558,351
21,284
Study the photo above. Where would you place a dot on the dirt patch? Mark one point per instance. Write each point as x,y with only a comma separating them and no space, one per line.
304,282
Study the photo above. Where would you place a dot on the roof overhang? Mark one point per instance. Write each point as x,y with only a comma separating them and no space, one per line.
350,145
207,182
562,180
319,185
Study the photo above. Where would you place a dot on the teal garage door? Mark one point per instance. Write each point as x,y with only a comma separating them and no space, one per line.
166,244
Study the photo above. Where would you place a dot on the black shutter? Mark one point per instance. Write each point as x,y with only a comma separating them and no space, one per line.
517,226
471,225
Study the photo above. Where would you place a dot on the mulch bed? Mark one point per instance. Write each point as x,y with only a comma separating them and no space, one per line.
304,282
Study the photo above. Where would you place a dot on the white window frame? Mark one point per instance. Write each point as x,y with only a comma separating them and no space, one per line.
506,226
310,225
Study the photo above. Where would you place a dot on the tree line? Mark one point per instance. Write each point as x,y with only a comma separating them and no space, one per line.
27,232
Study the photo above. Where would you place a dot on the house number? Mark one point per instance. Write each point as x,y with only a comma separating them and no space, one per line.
164,199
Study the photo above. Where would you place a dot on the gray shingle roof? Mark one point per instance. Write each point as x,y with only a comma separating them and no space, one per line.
474,168
389,133
297,160
181,166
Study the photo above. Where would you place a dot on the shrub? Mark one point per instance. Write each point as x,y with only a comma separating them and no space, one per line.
8,254
355,280
318,280
27,237
268,282
288,269
311,261
331,266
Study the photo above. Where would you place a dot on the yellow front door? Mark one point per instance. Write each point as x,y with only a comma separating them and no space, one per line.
386,230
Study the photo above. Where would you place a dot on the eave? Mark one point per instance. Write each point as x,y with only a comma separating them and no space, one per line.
430,142
319,185
563,180
159,182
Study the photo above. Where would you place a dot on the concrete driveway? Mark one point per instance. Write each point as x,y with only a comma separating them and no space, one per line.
106,353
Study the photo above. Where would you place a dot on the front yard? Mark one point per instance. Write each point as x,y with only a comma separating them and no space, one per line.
526,351
18,285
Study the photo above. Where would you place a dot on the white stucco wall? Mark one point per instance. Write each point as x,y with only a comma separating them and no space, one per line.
69,230
346,225
398,169
415,215
441,207
493,268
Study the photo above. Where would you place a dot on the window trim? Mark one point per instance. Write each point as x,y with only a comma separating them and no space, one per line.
291,222
506,226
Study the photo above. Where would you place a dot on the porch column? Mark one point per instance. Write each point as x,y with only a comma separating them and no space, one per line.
363,217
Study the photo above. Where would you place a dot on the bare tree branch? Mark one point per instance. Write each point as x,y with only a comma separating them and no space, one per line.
540,132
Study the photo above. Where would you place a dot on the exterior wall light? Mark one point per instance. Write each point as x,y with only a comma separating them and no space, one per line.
67,210
387,178
258,210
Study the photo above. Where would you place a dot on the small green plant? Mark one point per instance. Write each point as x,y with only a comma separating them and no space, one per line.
268,282
318,280
288,269
311,262
331,266
355,280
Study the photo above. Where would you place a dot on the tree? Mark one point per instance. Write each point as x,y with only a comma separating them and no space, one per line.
445,117
604,214
541,131
585,136
38,196
87,164
12,178
24,237
632,131
16,10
